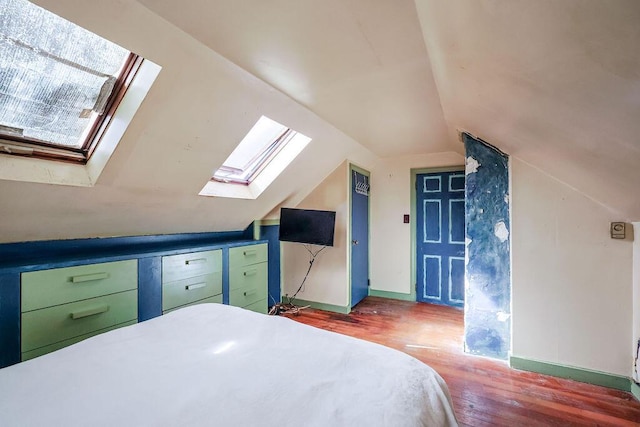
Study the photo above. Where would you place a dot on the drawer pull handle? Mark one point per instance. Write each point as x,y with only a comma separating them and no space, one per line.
195,261
89,312
251,272
89,277
195,286
250,252
249,293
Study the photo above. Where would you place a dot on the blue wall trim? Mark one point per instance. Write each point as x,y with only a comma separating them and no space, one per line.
56,251
488,271
149,293
9,317
270,233
225,275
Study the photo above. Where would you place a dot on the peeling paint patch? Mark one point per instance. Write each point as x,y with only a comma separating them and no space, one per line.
501,232
467,241
487,267
472,166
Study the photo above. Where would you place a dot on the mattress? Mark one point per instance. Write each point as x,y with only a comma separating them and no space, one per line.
212,364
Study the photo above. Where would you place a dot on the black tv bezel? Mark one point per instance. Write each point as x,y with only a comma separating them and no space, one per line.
310,241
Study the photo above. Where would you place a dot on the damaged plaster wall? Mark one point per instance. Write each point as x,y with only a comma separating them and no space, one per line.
487,313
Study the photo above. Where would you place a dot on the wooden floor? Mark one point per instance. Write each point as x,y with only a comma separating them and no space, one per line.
485,392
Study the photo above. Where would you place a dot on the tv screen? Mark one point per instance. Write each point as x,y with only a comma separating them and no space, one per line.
307,226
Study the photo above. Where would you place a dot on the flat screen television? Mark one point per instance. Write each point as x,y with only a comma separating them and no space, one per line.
307,226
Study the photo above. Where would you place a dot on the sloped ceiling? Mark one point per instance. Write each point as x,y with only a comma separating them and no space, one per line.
555,83
359,64
198,109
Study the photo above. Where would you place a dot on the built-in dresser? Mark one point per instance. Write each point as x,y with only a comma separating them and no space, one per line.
53,294
62,306
191,278
248,277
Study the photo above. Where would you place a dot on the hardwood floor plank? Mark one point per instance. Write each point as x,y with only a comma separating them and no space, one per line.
485,392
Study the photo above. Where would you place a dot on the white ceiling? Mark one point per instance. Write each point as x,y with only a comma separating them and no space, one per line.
359,64
553,82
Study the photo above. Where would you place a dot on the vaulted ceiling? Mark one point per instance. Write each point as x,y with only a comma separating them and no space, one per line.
362,65
555,83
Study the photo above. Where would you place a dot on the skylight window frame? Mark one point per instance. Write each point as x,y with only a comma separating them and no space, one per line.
31,147
259,161
277,151
123,81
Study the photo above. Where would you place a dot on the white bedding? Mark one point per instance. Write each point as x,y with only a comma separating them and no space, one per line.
212,364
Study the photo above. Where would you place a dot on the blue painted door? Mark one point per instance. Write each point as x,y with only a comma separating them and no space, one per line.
359,237
440,238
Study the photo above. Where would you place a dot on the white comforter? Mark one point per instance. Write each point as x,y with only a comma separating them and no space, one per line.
217,365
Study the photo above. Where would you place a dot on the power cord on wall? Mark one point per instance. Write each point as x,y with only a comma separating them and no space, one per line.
289,307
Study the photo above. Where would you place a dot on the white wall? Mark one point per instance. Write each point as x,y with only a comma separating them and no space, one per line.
198,110
572,284
390,239
328,281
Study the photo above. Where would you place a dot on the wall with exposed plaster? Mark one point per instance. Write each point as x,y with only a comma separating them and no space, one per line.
572,284
487,313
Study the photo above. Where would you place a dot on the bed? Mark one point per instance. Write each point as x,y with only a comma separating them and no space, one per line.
212,364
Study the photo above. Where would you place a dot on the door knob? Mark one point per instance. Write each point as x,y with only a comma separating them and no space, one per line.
355,242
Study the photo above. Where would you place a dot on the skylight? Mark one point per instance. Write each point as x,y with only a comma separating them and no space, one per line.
256,149
59,83
257,160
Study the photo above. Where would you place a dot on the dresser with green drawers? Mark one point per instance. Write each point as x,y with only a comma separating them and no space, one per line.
248,277
62,306
191,278
56,294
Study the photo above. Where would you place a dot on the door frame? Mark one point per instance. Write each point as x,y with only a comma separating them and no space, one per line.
365,172
413,224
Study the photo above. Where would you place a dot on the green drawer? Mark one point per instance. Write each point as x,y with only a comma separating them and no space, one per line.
247,296
216,299
63,285
62,322
248,285
258,307
61,344
184,266
248,276
247,255
186,291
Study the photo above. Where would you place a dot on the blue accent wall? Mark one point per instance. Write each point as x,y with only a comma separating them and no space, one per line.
488,271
